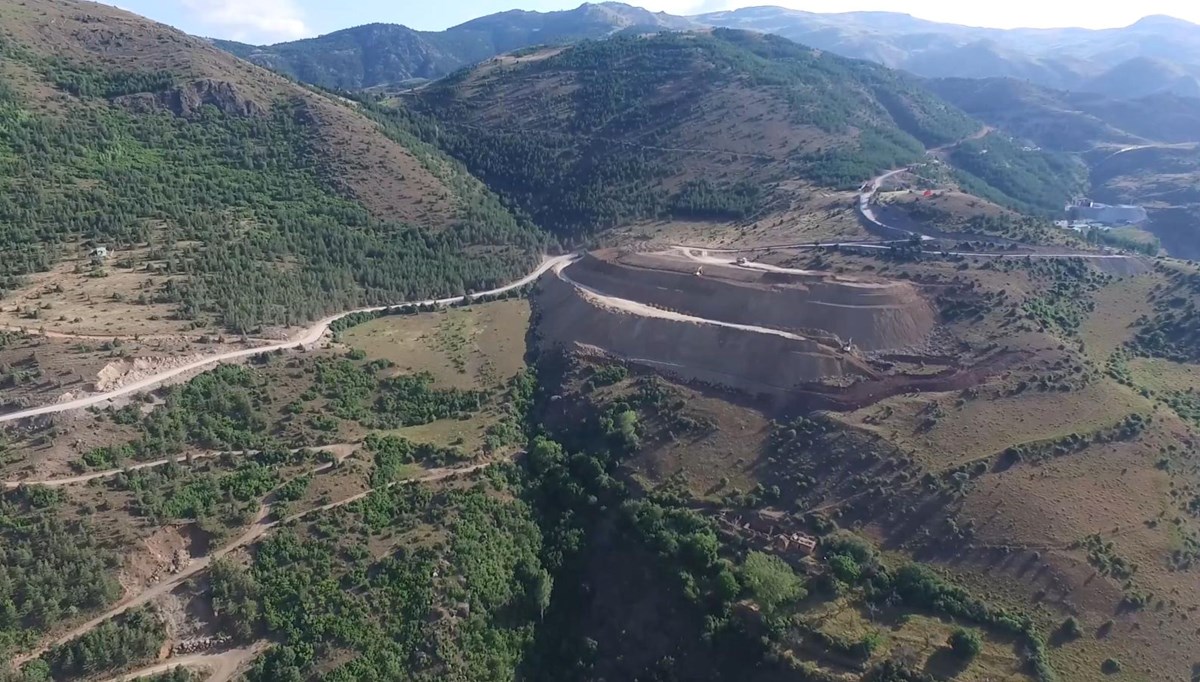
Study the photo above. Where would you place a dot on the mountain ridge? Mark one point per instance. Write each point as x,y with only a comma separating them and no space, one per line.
386,54
723,124
1062,58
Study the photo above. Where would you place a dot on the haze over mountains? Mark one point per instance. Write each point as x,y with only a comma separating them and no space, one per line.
1157,54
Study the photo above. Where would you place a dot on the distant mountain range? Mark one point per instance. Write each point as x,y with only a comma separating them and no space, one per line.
1155,55
389,54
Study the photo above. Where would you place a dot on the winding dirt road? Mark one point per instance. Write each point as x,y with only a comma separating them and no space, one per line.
308,337
871,188
107,473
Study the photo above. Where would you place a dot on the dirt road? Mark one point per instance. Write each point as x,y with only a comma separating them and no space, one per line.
260,527
102,338
702,254
223,666
307,337
107,473
643,310
341,451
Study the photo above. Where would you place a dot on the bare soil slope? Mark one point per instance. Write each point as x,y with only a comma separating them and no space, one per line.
707,353
873,313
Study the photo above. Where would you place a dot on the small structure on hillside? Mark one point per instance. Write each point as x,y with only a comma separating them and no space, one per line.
805,544
1085,210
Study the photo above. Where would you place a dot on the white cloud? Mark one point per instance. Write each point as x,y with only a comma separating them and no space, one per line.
260,21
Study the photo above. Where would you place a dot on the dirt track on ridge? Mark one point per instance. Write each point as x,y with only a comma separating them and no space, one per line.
340,450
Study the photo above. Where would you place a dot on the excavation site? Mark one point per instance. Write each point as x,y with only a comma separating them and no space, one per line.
788,335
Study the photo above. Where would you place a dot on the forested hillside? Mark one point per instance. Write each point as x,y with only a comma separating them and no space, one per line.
690,125
1027,179
232,195
1073,121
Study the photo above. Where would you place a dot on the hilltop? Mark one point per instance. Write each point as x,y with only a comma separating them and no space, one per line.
388,54
224,195
713,125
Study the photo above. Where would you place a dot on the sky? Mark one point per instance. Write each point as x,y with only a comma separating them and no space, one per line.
270,21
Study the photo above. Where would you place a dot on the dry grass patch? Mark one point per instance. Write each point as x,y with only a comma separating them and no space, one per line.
1118,306
986,425
809,215
713,461
924,639
464,434
1110,489
347,479
67,299
1161,375
478,347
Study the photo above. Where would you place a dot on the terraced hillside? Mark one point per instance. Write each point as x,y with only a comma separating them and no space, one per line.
1049,486
220,194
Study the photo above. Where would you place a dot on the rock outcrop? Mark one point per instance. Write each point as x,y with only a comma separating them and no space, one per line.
188,99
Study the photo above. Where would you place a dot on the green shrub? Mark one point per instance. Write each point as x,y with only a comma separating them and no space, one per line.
770,581
965,644
1070,628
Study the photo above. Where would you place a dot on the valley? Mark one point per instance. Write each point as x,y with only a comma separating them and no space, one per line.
590,345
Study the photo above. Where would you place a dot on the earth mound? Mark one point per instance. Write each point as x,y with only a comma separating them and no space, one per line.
871,314
758,361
